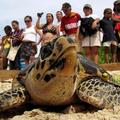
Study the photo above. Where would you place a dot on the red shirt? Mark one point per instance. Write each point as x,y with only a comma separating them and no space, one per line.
69,24
117,25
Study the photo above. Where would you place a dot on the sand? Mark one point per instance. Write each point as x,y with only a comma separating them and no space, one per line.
37,114
67,114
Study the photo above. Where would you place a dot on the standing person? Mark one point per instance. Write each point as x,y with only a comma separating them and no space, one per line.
29,41
91,43
59,16
16,41
6,42
109,39
116,18
69,23
49,30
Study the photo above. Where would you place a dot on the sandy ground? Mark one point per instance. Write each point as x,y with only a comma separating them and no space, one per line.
68,114
37,114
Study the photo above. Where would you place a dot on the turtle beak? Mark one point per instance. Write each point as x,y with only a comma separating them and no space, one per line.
62,44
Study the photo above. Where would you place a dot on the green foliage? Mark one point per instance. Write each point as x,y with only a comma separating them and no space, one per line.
101,55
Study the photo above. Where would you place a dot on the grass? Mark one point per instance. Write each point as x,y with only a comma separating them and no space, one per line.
101,55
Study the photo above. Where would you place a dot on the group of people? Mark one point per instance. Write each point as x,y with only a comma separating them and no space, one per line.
21,44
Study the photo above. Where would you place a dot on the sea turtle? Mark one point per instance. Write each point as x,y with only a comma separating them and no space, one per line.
58,75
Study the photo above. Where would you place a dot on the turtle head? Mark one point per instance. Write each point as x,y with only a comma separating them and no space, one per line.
55,74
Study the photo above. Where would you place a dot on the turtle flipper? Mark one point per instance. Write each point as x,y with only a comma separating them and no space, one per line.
94,69
98,92
13,98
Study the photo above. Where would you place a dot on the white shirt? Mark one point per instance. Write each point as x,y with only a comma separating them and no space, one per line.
30,34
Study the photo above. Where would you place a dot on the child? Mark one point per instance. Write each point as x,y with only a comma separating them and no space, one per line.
109,39
6,40
91,42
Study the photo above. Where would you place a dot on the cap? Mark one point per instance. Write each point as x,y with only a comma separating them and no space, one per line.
107,10
87,6
117,2
66,5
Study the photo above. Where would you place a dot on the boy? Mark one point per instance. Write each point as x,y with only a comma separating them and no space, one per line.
91,43
109,39
6,42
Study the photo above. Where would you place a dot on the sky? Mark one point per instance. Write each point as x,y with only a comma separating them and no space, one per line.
18,9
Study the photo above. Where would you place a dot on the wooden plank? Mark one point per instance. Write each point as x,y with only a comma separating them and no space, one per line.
7,74
111,67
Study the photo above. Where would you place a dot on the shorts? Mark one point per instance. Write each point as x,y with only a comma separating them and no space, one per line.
91,41
109,43
27,50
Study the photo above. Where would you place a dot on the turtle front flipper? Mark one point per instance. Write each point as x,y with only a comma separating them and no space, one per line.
98,92
94,69
13,97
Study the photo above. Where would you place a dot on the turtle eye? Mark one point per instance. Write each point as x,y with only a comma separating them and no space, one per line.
46,50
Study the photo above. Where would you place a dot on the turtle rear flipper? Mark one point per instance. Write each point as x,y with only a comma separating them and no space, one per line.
13,98
98,92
